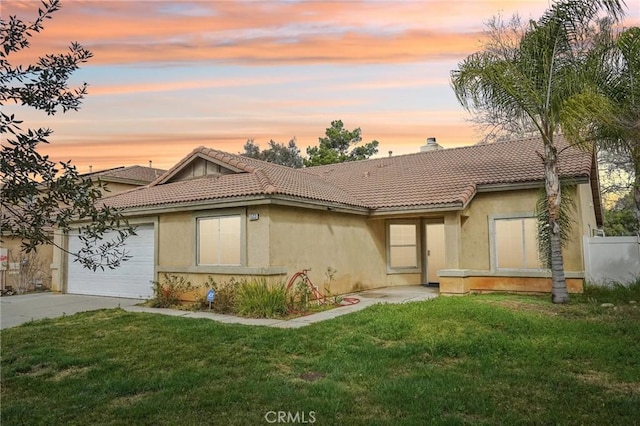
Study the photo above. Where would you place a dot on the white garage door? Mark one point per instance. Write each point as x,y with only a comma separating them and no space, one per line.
132,279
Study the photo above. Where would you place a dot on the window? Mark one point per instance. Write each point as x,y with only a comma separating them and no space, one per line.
403,246
219,240
516,244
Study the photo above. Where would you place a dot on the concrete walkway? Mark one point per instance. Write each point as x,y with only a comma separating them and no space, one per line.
16,310
400,294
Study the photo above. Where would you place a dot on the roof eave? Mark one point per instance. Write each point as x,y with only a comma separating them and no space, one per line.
241,201
426,208
318,204
127,181
508,186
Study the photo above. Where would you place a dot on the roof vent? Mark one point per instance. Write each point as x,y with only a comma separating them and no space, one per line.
431,145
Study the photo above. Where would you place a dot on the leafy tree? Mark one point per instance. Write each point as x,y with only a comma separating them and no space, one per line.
617,126
252,150
338,146
537,77
39,195
619,220
277,153
617,182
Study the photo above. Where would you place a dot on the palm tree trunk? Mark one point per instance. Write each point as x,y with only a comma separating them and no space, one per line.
559,292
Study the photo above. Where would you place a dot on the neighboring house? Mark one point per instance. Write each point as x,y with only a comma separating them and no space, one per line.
462,218
120,179
23,271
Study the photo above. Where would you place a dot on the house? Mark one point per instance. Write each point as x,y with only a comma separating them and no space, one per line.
462,218
22,271
121,179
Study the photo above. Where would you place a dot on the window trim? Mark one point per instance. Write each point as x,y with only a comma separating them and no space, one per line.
404,270
241,213
493,248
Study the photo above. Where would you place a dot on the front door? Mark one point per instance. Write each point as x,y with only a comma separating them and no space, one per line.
434,259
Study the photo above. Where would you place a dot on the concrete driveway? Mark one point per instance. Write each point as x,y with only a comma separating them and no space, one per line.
16,310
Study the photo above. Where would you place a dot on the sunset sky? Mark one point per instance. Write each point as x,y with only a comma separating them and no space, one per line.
167,77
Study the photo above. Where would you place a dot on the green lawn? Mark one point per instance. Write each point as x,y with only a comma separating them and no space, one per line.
468,360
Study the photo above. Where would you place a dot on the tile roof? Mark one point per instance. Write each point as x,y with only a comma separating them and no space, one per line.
256,178
449,176
140,174
434,179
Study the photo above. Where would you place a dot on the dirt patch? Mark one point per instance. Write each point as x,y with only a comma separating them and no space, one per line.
311,376
604,380
128,400
516,305
70,372
591,311
36,371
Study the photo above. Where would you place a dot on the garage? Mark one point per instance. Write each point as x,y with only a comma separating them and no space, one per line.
132,279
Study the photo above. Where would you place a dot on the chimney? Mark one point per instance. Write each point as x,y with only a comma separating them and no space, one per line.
90,169
390,153
431,145
150,164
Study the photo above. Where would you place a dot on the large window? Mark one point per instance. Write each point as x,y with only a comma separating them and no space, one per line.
516,244
403,246
219,240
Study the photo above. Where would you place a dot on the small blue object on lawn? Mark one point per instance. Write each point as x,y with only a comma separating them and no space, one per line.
211,294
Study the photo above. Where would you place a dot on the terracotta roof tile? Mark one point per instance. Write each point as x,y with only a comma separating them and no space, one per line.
140,174
209,188
448,177
257,178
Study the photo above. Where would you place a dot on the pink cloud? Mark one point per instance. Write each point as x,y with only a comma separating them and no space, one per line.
298,32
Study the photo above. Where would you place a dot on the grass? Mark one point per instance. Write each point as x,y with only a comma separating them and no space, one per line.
613,293
495,359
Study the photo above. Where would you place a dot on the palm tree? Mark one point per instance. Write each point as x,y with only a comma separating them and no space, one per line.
534,81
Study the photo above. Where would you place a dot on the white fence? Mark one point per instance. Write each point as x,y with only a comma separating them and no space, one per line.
611,259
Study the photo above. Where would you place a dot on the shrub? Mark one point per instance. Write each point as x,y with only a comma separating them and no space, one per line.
261,299
224,301
167,294
299,297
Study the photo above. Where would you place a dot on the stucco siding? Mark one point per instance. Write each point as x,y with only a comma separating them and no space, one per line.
40,268
585,201
475,225
117,187
176,239
482,283
177,248
258,236
351,245
279,240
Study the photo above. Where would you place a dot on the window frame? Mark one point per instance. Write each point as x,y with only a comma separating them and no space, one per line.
418,247
493,246
241,214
